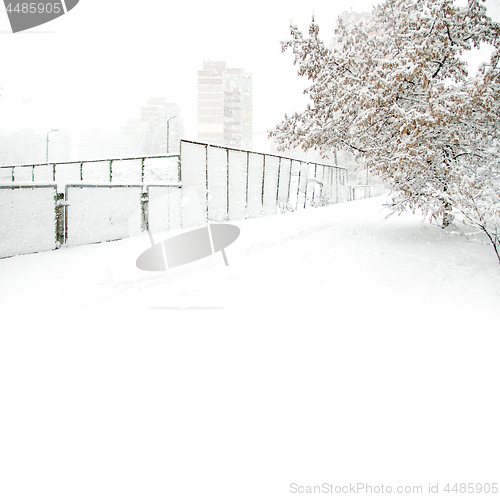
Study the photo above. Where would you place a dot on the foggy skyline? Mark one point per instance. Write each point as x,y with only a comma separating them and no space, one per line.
94,67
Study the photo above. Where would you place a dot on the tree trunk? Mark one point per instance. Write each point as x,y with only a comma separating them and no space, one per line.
447,215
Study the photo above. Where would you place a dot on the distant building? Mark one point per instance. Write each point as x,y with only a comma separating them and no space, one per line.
147,135
159,119
141,136
225,105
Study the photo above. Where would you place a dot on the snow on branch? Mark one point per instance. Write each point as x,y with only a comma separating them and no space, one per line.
395,90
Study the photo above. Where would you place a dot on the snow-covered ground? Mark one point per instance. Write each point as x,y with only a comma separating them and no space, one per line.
337,347
347,259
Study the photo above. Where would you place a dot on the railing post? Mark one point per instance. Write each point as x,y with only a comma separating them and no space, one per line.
278,183
206,178
263,178
246,198
314,189
298,186
227,187
336,185
305,188
60,219
289,184
145,210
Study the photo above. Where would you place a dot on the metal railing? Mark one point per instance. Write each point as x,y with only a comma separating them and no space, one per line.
122,170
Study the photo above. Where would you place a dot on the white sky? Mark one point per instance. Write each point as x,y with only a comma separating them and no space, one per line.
96,66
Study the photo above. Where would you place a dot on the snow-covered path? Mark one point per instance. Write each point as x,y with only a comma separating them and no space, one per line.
337,348
347,259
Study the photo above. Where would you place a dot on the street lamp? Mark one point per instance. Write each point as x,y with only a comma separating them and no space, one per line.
168,132
47,149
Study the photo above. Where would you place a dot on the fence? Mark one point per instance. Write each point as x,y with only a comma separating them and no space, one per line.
27,218
235,184
95,201
360,192
34,217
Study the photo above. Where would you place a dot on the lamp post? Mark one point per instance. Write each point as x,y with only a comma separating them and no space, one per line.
168,132
47,149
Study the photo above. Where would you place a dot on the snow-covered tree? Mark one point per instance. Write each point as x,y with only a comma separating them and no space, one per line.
397,92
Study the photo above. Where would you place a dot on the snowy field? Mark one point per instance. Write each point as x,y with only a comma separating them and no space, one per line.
338,347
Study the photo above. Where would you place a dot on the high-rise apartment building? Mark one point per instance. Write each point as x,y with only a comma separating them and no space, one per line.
225,105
